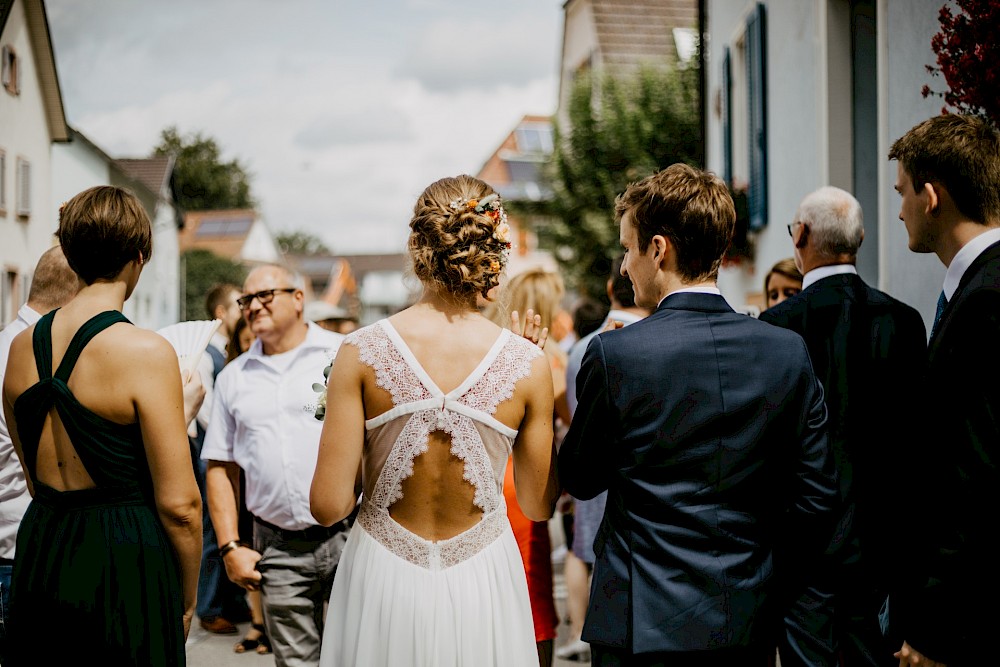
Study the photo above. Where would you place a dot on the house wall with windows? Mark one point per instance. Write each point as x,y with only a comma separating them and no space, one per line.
841,80
31,119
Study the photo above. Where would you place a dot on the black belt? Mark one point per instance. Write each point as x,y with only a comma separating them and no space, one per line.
312,533
7,561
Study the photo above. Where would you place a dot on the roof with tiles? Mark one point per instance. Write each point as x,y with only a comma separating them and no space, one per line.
630,32
153,173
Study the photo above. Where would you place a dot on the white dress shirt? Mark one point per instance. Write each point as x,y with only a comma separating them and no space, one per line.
825,272
263,419
14,496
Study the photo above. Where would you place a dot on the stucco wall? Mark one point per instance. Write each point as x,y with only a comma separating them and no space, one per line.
24,133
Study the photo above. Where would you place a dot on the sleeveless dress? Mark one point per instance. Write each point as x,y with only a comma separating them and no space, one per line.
399,599
95,574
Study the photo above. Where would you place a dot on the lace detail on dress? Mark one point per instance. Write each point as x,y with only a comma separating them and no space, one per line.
392,373
512,364
425,553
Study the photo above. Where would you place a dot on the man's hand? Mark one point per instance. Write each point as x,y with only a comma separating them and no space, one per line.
910,657
241,567
533,330
612,325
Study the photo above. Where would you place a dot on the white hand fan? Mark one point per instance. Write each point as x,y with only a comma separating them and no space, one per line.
190,339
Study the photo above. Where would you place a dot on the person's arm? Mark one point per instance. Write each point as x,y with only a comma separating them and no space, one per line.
536,480
194,395
584,453
159,406
222,489
334,493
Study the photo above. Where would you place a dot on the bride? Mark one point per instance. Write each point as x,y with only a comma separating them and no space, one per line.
424,409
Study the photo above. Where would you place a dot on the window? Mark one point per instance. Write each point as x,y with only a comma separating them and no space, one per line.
8,296
9,77
756,50
534,138
3,183
743,108
22,188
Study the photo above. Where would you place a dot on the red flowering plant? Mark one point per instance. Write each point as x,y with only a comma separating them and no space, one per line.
968,57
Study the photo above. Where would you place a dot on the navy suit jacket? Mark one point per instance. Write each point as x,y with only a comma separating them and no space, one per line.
950,613
707,429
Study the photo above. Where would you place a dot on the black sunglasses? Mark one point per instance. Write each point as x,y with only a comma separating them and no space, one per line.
264,296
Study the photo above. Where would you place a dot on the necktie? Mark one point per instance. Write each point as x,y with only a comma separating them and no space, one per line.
941,305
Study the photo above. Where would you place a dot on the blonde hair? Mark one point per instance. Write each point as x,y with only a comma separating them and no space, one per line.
455,248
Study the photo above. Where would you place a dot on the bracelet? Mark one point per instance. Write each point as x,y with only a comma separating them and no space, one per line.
227,547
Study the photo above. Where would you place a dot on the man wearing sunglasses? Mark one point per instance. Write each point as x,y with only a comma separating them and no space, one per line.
263,422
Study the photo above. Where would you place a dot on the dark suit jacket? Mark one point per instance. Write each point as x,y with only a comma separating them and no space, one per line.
869,352
951,613
707,428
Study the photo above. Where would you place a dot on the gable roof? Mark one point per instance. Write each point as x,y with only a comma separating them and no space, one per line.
632,31
45,63
153,172
222,232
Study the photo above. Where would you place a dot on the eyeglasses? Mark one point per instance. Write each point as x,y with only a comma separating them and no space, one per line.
791,227
264,297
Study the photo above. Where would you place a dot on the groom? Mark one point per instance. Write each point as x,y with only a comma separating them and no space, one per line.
708,430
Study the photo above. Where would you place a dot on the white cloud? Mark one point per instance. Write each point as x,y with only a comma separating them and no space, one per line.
309,97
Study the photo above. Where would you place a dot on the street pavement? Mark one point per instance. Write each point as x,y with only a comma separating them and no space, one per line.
205,649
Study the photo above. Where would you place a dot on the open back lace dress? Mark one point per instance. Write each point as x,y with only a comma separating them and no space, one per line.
400,599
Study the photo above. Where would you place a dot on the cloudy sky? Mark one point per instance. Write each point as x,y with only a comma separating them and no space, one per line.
341,110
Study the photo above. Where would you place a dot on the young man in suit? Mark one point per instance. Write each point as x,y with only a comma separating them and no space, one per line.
949,181
708,430
868,350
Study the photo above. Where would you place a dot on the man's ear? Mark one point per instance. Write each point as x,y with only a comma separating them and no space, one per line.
801,241
661,247
931,191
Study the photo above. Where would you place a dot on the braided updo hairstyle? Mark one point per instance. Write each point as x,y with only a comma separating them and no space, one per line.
455,249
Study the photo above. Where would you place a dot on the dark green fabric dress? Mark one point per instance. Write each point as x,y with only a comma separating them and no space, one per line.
95,576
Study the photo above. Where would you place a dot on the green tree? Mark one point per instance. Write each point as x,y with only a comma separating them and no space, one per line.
621,128
301,243
202,181
203,270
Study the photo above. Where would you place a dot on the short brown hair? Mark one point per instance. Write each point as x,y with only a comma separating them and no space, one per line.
960,152
691,207
455,249
103,229
219,296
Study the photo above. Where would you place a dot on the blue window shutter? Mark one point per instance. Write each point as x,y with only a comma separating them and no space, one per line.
727,117
756,49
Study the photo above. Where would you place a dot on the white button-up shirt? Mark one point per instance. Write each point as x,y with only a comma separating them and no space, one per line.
263,419
14,496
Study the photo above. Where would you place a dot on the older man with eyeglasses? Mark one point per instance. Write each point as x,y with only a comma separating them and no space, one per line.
264,422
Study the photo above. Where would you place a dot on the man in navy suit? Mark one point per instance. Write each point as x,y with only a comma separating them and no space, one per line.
949,181
869,352
708,430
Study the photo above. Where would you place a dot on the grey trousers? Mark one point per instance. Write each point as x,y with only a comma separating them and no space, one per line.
297,576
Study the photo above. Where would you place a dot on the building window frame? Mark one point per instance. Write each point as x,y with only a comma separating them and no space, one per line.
22,188
9,70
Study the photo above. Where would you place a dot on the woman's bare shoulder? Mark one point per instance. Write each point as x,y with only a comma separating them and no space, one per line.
131,344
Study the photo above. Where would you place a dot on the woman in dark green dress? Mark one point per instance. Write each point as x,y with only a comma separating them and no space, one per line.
108,551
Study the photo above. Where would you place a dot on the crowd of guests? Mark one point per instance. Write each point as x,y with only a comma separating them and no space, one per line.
816,485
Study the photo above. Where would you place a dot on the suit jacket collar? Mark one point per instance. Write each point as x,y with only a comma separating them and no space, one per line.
974,274
700,301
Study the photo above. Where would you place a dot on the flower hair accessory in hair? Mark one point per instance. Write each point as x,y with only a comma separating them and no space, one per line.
491,207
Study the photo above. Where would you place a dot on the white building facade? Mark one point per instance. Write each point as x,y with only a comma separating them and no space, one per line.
806,93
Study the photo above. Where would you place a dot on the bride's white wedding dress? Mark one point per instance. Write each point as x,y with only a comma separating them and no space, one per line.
399,599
